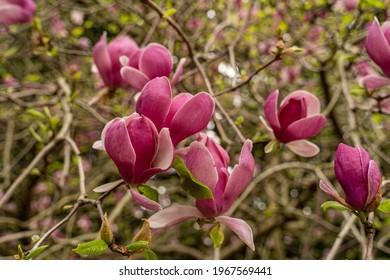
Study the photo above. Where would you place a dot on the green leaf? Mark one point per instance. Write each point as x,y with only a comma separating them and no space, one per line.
20,252
135,246
189,183
149,192
216,235
149,255
270,146
93,248
36,252
169,12
35,238
333,204
35,113
375,3
384,206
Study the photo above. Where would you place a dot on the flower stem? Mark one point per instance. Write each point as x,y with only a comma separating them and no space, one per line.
370,233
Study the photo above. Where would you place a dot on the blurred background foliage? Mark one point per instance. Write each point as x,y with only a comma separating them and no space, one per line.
232,40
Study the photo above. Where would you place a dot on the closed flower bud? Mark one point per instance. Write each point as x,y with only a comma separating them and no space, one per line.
359,177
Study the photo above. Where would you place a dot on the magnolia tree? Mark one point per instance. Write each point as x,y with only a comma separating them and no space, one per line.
195,129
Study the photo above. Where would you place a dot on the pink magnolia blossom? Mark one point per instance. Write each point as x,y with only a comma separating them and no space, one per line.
106,57
184,115
349,5
208,163
359,177
148,63
297,118
16,11
138,150
378,48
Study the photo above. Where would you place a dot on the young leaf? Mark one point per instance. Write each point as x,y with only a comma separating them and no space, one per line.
149,255
36,252
270,146
35,113
169,12
138,245
384,206
196,188
20,252
333,204
149,192
93,248
216,235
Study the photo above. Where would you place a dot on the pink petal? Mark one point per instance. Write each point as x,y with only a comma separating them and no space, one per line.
303,148
291,111
134,77
386,30
156,61
378,47
176,104
155,101
134,59
351,170
143,137
271,111
329,191
241,176
178,72
303,128
239,227
120,46
102,59
165,151
163,158
119,148
11,14
199,161
265,124
192,117
144,201
98,145
374,181
173,215
219,154
312,103
108,187
373,82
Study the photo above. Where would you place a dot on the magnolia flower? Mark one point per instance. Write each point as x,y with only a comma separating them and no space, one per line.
349,5
208,162
378,45
106,58
16,11
148,63
184,115
138,150
297,118
359,177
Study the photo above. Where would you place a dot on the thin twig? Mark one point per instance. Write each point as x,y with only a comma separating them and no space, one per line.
195,59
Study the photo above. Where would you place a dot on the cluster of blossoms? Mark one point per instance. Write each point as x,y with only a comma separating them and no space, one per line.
143,144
